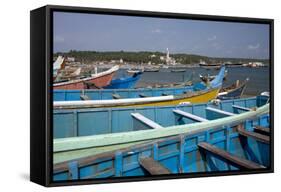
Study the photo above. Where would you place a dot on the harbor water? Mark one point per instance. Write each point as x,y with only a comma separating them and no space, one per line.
258,77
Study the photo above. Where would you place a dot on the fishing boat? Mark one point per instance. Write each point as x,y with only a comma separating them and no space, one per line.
234,91
101,79
240,146
151,70
178,70
94,94
145,125
134,71
190,97
58,65
124,82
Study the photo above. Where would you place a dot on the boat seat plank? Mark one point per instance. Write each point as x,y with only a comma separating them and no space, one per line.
241,108
146,121
262,130
153,167
189,115
256,136
232,159
116,96
84,97
226,113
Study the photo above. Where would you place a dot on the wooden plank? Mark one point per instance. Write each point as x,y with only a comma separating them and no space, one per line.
262,130
153,167
189,115
256,136
84,97
146,121
232,159
241,108
116,96
219,111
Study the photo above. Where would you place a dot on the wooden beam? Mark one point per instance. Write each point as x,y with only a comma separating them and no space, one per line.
241,108
189,115
256,136
232,159
84,97
262,130
219,111
146,121
153,167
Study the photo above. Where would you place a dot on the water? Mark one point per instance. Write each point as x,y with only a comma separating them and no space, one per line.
259,77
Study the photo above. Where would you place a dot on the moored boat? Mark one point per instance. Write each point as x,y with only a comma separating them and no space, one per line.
234,91
93,94
101,79
124,82
190,97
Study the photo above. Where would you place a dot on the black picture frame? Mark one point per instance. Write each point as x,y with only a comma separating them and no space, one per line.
41,42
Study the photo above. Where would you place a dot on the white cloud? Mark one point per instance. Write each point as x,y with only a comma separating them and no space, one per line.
156,31
254,47
212,38
58,39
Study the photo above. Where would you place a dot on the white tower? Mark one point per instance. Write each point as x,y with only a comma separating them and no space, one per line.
168,54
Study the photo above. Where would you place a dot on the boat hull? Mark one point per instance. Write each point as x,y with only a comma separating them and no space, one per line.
98,81
179,154
126,83
192,97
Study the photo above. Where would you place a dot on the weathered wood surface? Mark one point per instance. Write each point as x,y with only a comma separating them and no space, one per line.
189,115
85,142
232,159
146,121
153,167
256,136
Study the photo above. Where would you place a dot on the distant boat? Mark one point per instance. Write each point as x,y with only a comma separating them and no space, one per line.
106,94
101,79
124,82
210,66
235,91
151,70
178,70
133,71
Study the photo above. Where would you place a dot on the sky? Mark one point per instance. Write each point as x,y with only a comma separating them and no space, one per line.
93,32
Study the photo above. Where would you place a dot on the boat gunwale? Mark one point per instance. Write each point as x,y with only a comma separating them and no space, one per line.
131,101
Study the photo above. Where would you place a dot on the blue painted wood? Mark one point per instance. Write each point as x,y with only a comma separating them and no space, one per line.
179,154
71,123
124,82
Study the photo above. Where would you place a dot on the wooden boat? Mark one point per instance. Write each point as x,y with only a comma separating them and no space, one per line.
234,91
58,65
224,148
178,70
190,97
214,123
124,82
151,70
76,95
101,79
92,121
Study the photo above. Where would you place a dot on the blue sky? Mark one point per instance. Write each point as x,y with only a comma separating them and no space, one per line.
81,31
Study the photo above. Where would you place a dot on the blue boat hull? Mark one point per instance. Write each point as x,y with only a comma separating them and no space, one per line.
83,122
103,94
180,154
124,83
